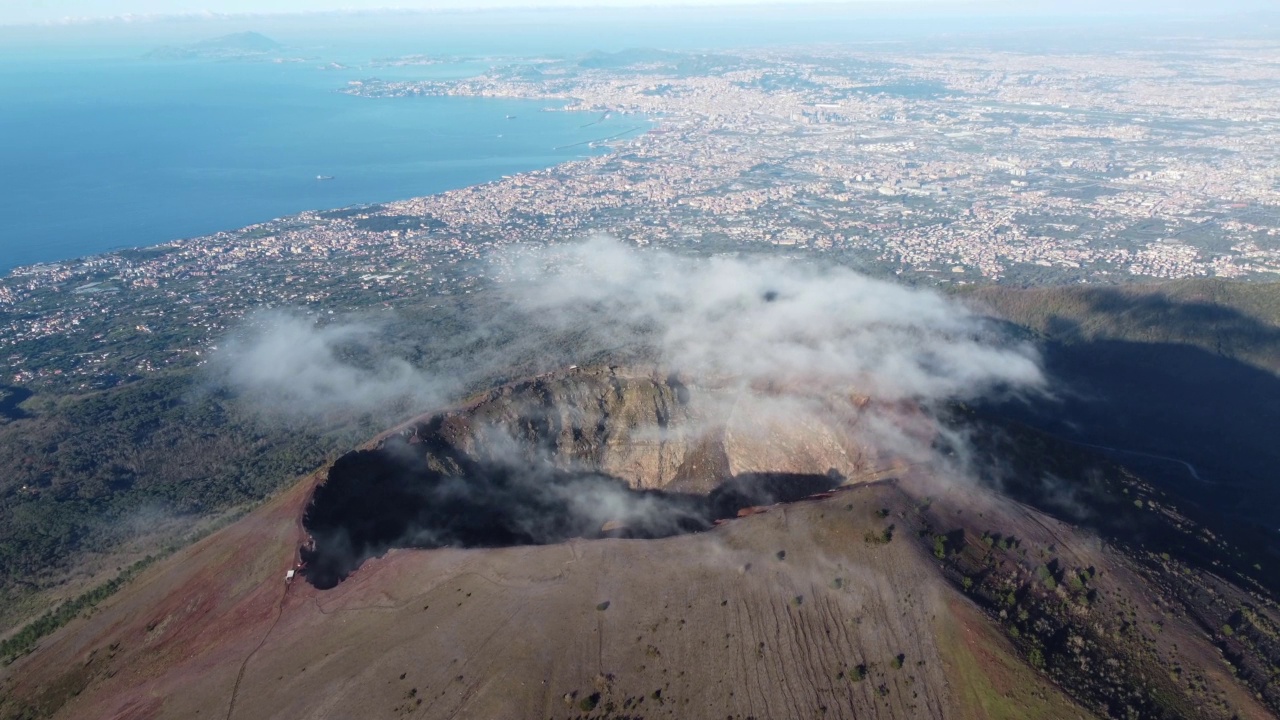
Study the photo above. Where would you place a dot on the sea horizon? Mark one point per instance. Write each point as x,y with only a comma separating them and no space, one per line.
102,168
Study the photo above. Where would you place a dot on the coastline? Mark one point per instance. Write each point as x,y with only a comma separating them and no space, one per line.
135,177
43,267
924,187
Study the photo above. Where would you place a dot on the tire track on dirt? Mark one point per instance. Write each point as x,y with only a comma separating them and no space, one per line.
235,688
473,688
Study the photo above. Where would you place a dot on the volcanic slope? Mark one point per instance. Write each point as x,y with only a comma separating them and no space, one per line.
914,596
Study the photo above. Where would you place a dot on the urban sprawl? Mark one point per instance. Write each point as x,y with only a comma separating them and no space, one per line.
964,166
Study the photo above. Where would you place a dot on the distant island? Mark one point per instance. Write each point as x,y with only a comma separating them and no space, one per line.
233,46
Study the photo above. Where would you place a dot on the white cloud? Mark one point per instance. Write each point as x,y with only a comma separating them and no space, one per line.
769,320
812,331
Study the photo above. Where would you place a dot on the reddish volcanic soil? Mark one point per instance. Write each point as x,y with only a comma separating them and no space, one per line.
190,617
763,616
879,599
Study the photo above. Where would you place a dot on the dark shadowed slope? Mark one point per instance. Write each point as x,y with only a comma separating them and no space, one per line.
1163,407
1181,381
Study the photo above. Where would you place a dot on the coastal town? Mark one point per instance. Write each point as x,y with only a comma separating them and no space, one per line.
942,168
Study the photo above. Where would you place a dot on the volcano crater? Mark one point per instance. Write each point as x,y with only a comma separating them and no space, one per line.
581,453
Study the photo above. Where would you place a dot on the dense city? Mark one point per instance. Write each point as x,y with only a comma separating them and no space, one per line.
941,167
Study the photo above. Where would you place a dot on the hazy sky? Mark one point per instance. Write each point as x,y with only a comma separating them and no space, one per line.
44,11
24,12
40,11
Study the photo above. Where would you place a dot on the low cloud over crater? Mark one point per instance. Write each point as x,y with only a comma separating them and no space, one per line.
776,379
790,323
795,325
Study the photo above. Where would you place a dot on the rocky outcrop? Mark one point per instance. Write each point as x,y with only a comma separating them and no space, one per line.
585,452
656,430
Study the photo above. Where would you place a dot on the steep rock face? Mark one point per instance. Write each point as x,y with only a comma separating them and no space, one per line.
657,430
635,426
581,453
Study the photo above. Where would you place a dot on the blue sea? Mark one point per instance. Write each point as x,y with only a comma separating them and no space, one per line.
98,153
101,148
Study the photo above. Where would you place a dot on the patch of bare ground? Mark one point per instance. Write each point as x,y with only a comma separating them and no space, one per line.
834,607
763,617
910,598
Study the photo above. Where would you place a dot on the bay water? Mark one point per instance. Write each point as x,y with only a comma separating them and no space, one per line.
104,153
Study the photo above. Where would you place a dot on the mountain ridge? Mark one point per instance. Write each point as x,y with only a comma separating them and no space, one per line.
925,595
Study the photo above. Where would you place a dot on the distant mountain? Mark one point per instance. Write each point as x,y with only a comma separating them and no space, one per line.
242,41
242,44
635,59
538,551
598,59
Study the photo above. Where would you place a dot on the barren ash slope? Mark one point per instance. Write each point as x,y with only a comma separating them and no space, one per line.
808,526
